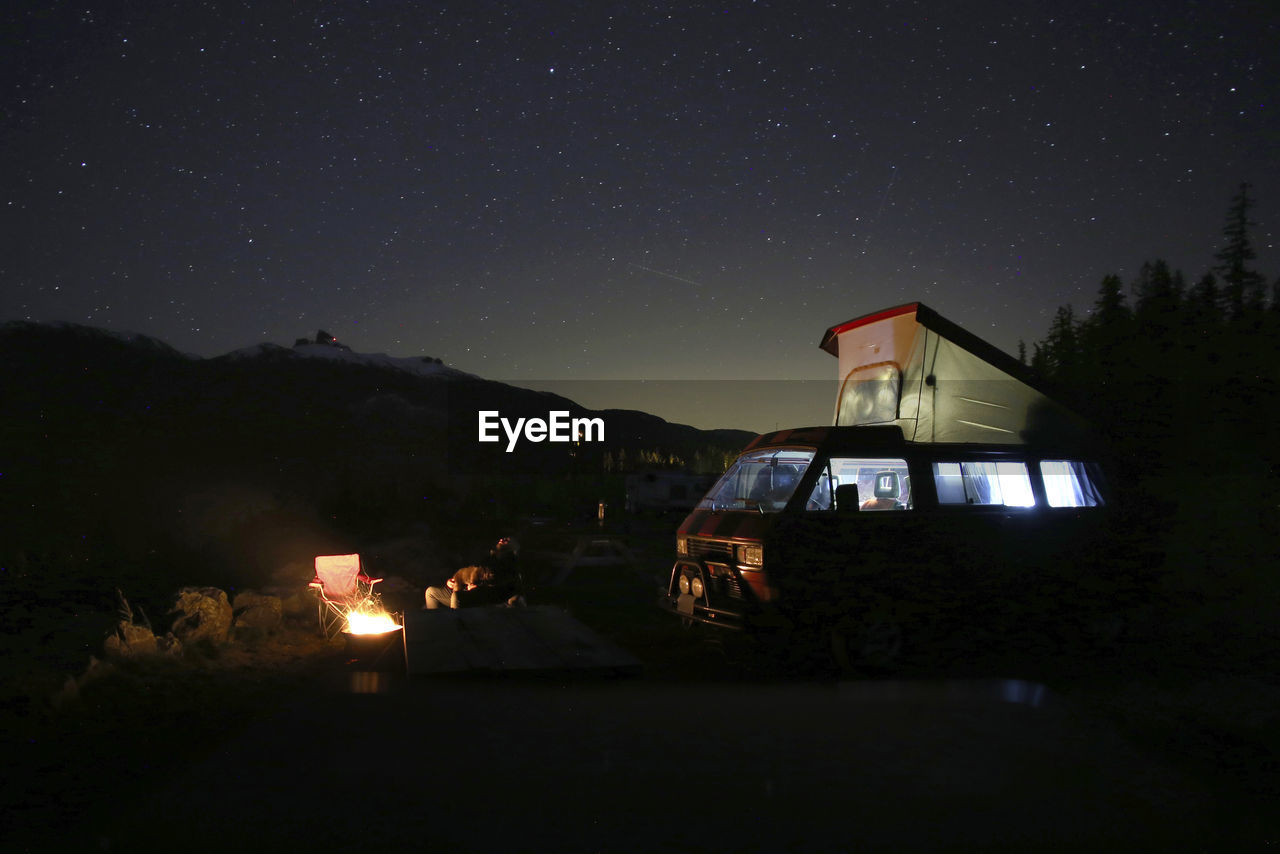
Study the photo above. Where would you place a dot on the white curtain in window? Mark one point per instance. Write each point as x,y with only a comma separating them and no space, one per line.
1066,484
1004,483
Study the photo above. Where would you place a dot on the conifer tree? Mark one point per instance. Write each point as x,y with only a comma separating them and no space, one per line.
1243,287
1105,338
1158,303
1063,347
1040,359
1109,309
1204,301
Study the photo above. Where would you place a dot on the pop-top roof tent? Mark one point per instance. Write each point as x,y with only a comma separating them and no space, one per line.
909,366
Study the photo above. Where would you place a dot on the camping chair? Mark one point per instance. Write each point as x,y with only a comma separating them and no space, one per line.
340,587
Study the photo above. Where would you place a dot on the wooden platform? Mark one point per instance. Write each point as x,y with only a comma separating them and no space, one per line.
537,639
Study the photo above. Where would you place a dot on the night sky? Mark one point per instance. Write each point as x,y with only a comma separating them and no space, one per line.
601,191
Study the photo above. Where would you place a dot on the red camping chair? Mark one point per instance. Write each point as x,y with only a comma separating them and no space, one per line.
340,587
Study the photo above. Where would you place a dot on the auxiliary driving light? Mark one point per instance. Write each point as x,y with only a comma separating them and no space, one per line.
684,583
695,587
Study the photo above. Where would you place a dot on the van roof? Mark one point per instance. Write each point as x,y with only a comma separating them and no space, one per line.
907,366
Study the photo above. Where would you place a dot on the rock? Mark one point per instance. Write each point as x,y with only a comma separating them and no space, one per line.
169,645
129,641
202,613
257,611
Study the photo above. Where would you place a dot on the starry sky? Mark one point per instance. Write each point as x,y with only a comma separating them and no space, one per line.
617,192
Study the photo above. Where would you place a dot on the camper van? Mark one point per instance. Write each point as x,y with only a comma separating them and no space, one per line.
950,492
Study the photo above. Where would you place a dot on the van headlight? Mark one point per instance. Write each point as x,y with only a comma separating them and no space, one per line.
751,554
682,545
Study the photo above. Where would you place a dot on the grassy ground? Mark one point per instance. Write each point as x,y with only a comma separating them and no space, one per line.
125,726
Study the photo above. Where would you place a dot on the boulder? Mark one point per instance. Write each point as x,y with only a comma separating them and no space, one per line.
201,613
257,611
129,641
169,645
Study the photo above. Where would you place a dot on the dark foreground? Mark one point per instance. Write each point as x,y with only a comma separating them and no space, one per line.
1164,743
360,760
630,766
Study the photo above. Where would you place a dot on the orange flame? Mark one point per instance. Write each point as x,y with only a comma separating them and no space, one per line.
365,622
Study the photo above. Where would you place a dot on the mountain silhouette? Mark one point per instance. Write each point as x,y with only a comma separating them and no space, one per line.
121,457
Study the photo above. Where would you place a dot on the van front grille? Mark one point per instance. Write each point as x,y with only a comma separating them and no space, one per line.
699,547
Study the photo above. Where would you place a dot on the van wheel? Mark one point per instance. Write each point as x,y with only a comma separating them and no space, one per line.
875,643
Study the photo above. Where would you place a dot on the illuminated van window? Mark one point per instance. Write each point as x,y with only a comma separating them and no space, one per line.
870,395
1001,483
760,480
1067,484
883,484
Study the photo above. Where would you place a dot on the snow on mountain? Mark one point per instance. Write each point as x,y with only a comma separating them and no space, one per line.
422,366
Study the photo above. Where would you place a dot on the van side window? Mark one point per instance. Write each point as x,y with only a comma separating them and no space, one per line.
1067,484
883,484
1001,483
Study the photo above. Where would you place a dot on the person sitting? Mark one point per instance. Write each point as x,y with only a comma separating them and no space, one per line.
494,581
504,566
460,590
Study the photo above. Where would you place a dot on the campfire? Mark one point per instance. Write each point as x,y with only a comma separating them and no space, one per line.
375,641
370,619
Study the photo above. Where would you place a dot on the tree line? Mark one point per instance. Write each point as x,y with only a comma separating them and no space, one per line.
1182,382
1162,361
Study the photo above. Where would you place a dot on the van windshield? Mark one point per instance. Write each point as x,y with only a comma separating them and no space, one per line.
759,480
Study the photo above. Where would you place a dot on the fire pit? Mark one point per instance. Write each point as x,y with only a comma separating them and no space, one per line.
374,643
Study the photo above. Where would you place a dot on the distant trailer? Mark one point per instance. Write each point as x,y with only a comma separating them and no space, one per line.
665,491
